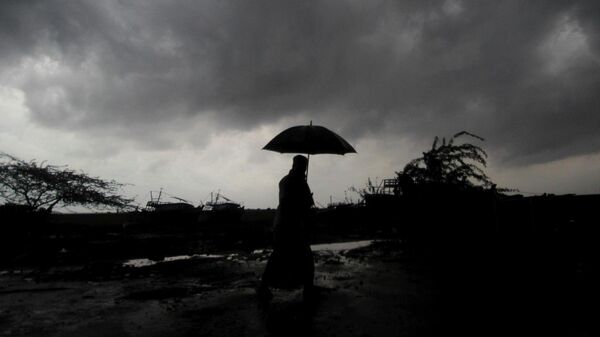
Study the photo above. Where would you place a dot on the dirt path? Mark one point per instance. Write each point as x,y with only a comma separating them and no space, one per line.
365,292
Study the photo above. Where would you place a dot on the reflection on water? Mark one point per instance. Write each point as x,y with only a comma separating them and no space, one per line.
334,247
341,245
138,263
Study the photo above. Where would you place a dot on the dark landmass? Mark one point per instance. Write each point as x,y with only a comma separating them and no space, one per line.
474,264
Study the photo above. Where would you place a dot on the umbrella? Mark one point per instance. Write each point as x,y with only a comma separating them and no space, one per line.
309,139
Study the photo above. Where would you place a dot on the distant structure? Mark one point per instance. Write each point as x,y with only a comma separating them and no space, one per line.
218,209
385,193
155,203
221,209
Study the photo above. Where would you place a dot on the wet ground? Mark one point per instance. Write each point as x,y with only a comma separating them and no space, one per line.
364,290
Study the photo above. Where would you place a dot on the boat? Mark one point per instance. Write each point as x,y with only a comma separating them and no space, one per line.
156,205
168,209
221,209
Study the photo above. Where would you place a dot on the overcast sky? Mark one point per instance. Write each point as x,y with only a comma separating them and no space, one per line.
184,94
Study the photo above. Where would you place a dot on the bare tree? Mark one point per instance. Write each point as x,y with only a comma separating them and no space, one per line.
39,184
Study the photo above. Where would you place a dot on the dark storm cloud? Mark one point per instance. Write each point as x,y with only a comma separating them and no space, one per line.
393,68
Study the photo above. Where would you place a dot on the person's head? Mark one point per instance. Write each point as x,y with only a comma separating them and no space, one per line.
300,164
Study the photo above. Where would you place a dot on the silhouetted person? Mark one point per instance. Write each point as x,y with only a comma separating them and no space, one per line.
291,263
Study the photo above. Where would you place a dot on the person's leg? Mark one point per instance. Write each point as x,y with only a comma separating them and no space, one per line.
308,274
263,292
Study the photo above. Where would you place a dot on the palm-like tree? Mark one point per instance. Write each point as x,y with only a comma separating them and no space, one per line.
449,164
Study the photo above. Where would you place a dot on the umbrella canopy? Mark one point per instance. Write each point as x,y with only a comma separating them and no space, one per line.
309,139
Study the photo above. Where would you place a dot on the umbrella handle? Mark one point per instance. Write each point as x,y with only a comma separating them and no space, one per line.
308,159
307,162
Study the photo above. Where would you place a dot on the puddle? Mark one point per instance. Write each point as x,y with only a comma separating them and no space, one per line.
341,246
139,263
333,247
187,257
261,251
176,258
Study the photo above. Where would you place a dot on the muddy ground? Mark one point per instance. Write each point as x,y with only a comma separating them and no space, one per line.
387,288
433,273
369,291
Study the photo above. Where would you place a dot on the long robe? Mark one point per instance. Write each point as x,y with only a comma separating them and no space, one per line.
291,264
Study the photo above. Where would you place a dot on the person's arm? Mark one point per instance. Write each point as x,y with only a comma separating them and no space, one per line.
308,196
